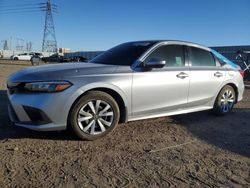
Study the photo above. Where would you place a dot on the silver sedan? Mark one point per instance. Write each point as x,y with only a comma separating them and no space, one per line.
132,81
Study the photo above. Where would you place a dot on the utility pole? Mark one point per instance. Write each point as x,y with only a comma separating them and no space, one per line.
49,36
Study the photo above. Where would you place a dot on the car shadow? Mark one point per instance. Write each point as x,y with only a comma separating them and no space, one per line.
230,132
10,131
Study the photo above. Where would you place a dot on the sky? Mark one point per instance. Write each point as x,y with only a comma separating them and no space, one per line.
102,24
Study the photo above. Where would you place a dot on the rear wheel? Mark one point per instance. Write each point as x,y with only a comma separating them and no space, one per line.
95,115
225,101
15,58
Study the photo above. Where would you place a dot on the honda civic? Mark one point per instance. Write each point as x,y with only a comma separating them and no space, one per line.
132,81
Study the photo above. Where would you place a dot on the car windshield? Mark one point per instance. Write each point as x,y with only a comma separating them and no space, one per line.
124,54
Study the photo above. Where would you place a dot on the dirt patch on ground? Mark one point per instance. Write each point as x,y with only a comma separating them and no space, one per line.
190,150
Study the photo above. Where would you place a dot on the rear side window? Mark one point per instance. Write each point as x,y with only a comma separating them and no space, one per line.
200,57
172,54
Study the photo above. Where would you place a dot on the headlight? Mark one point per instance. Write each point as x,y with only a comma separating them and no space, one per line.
53,86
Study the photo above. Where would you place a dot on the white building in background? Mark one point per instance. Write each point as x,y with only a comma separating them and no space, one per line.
62,51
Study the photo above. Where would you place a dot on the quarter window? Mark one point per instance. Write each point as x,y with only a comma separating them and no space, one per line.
172,54
200,57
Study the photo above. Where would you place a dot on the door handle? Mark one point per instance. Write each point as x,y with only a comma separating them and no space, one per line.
218,74
182,75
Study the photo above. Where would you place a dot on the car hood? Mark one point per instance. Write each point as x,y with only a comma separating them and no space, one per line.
60,71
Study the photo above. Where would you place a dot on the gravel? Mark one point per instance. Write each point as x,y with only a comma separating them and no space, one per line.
190,150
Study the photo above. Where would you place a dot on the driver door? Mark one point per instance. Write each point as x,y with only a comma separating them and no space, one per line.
161,90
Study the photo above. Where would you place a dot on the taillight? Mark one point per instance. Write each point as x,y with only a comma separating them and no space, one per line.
242,73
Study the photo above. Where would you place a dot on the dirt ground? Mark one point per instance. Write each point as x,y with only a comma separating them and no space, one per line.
191,150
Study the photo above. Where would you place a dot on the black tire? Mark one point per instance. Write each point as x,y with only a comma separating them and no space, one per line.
15,58
228,95
82,106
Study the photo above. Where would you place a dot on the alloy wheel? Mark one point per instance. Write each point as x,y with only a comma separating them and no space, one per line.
227,101
95,117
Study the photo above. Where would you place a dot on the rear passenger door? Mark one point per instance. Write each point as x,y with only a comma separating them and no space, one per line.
206,77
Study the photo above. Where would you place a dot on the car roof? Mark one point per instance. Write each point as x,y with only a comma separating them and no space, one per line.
218,55
175,42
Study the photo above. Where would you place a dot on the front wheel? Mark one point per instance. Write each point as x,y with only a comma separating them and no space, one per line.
225,101
94,115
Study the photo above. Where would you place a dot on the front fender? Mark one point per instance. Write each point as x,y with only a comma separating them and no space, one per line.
113,87
82,90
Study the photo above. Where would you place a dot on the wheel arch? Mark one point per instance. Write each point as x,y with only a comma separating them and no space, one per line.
118,97
234,86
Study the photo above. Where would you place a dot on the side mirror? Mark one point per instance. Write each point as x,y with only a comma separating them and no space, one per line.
155,63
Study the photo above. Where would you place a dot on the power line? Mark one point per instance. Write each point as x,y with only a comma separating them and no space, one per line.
26,8
21,5
43,7
21,12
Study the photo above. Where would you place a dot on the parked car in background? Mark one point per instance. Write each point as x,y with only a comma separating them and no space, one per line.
55,58
59,58
26,56
132,81
78,59
40,55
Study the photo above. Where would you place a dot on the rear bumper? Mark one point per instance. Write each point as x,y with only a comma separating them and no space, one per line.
241,89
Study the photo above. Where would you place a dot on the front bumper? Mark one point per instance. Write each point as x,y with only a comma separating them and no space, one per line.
40,111
46,126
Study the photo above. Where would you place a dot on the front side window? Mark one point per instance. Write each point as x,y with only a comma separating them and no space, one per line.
124,54
172,54
200,57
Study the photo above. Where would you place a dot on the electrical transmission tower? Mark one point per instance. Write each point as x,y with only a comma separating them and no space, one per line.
19,44
5,45
49,36
29,46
